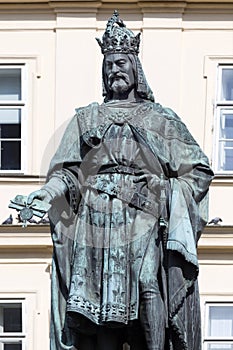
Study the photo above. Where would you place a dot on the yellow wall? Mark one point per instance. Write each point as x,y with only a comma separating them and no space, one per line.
64,71
25,267
181,45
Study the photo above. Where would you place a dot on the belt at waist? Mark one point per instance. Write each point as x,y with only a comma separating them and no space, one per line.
127,191
118,169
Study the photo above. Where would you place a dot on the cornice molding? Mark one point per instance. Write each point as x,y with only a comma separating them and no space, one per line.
158,6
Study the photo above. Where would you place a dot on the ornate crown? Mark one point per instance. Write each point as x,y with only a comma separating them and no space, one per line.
118,39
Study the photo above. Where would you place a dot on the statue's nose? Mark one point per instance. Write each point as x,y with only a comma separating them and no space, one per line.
115,68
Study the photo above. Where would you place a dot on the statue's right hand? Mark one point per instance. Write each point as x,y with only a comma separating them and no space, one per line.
40,194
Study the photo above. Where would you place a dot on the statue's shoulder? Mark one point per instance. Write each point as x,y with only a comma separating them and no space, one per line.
87,117
166,112
175,127
86,109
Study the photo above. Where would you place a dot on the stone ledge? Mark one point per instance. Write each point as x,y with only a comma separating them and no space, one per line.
217,237
32,237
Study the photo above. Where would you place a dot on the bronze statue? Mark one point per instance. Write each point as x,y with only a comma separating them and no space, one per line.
128,190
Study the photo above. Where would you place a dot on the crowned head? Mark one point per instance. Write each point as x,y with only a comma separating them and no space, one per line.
117,38
118,41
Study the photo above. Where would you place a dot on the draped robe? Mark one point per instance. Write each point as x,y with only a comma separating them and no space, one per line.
133,171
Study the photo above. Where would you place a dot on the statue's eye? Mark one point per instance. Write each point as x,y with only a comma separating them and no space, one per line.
121,63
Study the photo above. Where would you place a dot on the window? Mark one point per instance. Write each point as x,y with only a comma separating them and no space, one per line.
12,328
219,326
12,114
224,120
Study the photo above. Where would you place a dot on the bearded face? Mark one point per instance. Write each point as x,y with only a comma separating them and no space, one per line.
118,82
119,74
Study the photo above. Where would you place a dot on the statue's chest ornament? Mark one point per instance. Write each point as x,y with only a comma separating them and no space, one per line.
124,115
120,117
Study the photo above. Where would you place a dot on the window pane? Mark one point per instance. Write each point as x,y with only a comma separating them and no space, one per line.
225,155
13,347
9,345
10,317
219,346
227,84
10,123
10,155
226,124
10,84
220,321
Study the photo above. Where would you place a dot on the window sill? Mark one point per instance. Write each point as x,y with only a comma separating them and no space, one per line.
20,178
222,180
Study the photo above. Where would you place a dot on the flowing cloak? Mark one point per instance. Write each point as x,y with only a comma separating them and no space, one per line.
127,154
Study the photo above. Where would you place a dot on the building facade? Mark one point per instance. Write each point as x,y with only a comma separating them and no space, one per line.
50,64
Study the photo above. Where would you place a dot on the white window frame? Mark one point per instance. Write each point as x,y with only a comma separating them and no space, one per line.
23,106
218,106
211,339
15,337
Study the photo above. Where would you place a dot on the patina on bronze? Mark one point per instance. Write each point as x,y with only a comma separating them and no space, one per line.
128,187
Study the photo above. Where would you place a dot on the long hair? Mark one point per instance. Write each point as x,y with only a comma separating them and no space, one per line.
142,88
